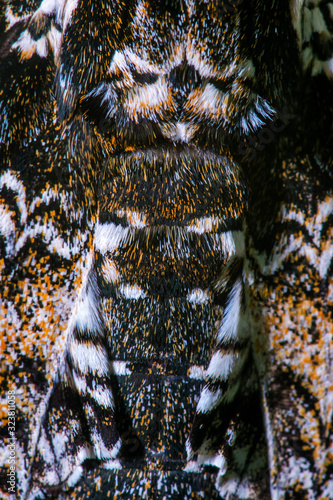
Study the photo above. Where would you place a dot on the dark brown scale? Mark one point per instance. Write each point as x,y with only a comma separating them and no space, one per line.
151,146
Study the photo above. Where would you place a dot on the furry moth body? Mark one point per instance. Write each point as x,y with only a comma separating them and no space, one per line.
163,111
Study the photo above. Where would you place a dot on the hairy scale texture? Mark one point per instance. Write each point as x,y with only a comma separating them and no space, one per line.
166,248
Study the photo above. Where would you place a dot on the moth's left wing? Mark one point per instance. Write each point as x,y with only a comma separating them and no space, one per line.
45,231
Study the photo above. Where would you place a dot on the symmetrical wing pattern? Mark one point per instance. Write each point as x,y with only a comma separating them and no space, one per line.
166,248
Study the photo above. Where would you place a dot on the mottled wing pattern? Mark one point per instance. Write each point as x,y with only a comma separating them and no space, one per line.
45,234
291,295
166,248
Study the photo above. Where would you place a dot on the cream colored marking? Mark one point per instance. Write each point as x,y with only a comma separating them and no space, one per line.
28,47
119,65
110,236
132,292
62,8
215,459
208,400
229,328
120,368
221,365
76,474
7,229
54,37
204,225
148,100
209,101
179,132
197,372
101,395
101,451
198,296
11,18
89,358
110,272
192,466
137,220
87,313
112,465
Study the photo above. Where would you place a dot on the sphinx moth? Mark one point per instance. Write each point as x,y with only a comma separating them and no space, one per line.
166,248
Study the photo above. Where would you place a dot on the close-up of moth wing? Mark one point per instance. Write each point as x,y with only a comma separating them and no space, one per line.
166,249
291,296
46,229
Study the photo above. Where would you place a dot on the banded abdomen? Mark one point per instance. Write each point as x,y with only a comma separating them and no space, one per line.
167,255
160,311
147,90
161,245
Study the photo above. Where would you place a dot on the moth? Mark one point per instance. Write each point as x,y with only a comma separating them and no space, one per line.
166,248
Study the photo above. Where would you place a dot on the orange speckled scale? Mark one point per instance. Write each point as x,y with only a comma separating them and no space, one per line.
166,249
294,338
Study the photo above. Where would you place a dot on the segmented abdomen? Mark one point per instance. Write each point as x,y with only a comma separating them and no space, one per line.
161,246
159,389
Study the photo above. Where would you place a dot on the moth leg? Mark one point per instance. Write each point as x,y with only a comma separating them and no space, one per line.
78,423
